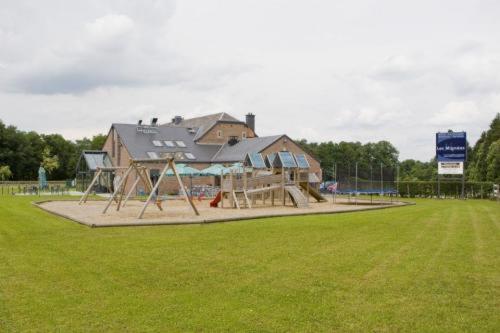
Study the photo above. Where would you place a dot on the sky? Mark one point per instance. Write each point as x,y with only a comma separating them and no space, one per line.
320,70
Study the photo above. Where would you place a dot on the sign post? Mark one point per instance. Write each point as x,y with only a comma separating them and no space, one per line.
451,154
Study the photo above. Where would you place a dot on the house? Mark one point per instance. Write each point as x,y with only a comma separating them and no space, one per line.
201,141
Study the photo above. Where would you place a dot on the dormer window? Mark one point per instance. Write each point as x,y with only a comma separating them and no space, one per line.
190,156
220,134
152,154
169,143
157,143
180,143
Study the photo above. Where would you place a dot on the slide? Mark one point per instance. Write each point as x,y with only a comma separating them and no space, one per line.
299,200
313,192
214,203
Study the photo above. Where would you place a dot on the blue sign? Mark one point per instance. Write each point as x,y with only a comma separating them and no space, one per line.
451,147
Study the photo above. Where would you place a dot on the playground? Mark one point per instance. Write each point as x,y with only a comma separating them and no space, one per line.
176,212
278,185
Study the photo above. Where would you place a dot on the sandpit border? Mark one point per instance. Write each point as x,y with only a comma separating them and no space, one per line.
39,204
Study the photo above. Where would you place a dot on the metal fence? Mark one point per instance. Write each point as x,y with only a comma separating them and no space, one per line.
33,188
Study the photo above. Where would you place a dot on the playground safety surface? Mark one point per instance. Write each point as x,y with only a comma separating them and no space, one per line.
177,212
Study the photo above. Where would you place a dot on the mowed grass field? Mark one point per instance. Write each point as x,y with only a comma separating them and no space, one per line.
432,267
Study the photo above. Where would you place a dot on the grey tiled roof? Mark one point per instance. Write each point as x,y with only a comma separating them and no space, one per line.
204,123
237,152
138,143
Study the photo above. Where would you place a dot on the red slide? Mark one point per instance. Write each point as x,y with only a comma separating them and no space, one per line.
214,203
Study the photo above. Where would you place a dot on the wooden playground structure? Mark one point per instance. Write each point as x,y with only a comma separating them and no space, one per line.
281,177
142,174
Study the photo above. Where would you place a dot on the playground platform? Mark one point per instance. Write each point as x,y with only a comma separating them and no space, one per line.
177,212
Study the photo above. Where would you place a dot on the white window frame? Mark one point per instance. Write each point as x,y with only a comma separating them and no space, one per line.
169,143
157,143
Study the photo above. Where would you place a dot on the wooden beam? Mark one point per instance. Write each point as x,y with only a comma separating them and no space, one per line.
134,186
186,196
85,195
111,198
153,190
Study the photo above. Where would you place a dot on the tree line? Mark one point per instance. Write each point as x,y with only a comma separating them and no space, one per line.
22,153
483,161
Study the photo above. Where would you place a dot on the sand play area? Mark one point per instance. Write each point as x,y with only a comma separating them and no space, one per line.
178,212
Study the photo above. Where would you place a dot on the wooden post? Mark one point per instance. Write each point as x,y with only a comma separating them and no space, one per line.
134,186
112,197
186,196
121,194
84,197
231,180
153,190
221,189
283,185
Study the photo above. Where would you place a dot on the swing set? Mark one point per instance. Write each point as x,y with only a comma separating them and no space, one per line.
142,174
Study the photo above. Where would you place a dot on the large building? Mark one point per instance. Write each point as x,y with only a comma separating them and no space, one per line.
202,141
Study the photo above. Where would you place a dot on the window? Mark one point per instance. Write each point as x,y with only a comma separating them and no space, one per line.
157,143
220,134
169,143
244,135
152,154
190,156
180,143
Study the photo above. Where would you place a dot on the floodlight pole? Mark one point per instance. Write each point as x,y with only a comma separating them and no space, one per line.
463,182
356,184
439,183
397,180
371,177
381,179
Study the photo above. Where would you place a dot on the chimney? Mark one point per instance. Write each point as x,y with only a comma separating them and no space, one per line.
154,121
250,120
176,120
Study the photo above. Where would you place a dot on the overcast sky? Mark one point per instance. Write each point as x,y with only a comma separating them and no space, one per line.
320,70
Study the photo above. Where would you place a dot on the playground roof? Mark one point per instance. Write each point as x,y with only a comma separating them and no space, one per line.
284,159
255,160
302,161
269,160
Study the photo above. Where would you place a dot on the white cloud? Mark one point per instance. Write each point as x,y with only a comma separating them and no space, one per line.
109,32
322,70
456,114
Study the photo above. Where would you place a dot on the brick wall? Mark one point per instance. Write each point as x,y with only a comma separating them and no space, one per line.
228,130
286,144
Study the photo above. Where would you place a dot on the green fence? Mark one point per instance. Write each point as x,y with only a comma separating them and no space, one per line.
448,189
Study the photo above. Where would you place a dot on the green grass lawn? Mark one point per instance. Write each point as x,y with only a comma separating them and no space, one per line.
433,267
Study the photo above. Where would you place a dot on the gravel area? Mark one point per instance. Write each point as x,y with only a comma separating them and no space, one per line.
179,212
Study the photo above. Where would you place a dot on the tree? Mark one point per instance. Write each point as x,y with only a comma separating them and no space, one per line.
98,141
483,156
50,162
5,172
493,163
